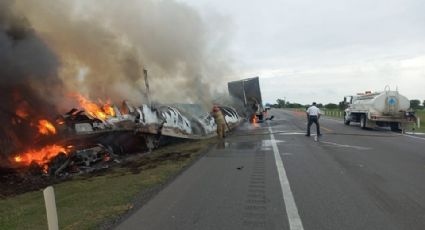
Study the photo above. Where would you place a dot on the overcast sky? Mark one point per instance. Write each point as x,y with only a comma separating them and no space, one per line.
308,50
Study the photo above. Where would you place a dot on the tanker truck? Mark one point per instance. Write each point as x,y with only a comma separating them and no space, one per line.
379,109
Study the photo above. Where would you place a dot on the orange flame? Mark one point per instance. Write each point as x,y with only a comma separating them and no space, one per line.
21,113
18,159
108,109
254,121
41,156
45,127
94,110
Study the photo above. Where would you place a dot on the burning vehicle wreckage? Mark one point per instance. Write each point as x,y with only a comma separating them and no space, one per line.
98,136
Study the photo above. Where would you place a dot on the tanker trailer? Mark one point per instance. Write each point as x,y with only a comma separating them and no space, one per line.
379,109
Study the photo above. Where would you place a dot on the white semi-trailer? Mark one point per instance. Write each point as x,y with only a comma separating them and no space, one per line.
379,109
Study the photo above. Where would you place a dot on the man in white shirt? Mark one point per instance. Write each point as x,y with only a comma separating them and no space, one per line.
313,114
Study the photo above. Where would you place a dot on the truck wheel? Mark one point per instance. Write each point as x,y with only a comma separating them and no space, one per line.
395,127
363,121
346,121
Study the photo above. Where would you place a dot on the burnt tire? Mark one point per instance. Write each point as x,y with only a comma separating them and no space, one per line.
363,121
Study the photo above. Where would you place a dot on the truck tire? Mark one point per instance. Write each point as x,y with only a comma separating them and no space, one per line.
395,127
363,121
346,121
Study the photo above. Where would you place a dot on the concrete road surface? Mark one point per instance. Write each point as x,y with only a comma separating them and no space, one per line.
273,177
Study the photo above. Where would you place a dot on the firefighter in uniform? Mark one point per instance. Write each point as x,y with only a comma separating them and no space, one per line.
219,120
313,115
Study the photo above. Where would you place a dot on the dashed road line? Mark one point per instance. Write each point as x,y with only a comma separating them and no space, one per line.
346,146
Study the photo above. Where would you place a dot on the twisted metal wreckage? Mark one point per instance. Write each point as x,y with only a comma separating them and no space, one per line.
187,121
93,143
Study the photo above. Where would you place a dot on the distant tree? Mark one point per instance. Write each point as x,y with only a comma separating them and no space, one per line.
319,105
280,103
331,106
423,104
342,105
294,105
415,104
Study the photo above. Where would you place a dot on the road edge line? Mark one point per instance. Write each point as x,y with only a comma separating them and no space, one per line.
294,219
411,136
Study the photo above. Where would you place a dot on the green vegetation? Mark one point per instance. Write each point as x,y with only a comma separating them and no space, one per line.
333,113
421,115
416,104
88,201
286,104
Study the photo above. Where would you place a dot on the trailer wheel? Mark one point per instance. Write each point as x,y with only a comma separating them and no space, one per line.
363,121
346,121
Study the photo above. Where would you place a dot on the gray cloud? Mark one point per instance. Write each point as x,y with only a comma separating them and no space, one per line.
307,46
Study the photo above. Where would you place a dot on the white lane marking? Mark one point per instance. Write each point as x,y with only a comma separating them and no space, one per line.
293,133
346,146
415,133
290,205
420,138
267,144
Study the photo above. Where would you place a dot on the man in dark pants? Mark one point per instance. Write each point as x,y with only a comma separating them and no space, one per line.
313,114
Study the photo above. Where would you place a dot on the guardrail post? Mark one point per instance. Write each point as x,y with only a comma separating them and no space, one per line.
52,215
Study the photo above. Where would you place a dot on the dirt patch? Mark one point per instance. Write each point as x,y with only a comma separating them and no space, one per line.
14,182
151,161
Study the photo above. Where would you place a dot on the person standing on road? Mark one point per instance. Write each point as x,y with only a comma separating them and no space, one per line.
313,115
219,121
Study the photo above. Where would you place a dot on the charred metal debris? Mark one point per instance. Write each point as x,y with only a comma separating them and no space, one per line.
89,144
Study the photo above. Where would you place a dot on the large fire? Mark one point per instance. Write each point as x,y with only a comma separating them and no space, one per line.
100,112
40,156
45,127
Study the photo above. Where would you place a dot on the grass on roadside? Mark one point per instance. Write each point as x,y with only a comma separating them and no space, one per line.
421,115
87,202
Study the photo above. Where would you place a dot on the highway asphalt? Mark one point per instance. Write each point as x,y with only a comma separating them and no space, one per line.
271,176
